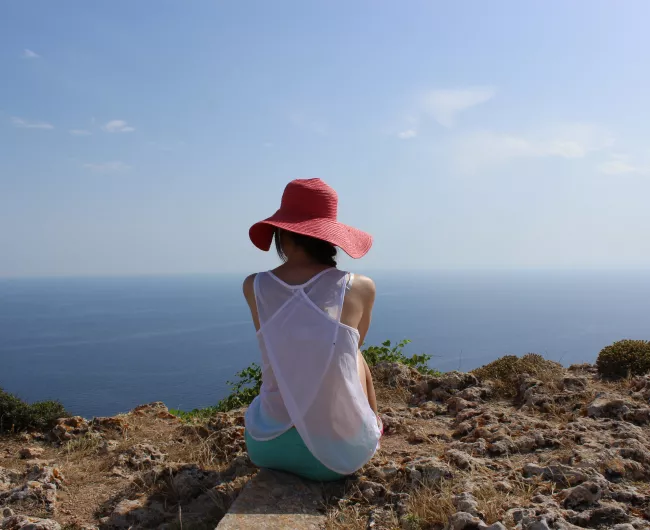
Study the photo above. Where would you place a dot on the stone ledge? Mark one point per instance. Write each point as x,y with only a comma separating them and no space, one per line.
275,500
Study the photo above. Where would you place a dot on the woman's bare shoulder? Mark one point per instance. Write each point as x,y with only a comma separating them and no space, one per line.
364,285
248,287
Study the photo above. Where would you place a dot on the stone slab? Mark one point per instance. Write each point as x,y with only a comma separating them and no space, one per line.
278,501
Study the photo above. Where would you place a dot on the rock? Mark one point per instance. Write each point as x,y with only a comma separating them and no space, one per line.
574,383
40,484
189,481
384,472
426,469
242,466
537,525
108,446
465,502
457,380
372,491
69,428
605,406
157,409
623,526
639,416
136,512
276,500
496,526
29,453
395,374
141,456
23,522
606,515
558,473
115,423
465,521
462,460
456,404
8,477
582,496
475,393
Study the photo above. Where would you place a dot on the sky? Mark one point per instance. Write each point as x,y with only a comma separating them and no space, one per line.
146,137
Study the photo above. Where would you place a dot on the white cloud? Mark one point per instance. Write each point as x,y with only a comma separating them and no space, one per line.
409,133
444,105
24,124
29,54
118,126
618,165
108,167
479,150
79,132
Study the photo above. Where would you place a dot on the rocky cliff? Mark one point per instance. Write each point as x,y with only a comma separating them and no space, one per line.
559,450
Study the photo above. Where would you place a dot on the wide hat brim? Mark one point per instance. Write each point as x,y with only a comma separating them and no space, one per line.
354,242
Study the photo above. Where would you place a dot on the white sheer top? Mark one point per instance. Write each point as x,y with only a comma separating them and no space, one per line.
309,371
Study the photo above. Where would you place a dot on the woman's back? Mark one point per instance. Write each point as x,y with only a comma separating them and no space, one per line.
310,371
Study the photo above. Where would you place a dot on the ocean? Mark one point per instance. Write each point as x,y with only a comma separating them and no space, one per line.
105,345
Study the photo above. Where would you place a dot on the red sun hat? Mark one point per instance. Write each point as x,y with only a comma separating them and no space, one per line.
309,207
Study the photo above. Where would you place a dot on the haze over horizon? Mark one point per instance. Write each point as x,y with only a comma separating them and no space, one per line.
145,138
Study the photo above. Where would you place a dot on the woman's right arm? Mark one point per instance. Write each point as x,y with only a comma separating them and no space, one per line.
249,294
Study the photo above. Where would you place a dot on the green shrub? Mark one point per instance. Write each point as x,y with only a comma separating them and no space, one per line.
624,358
384,353
243,392
17,415
249,382
505,371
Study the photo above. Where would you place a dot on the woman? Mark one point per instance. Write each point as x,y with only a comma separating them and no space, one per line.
316,415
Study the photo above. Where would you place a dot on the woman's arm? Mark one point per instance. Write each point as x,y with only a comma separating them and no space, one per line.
367,291
249,294
370,387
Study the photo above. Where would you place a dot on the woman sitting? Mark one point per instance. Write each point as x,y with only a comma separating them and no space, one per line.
316,415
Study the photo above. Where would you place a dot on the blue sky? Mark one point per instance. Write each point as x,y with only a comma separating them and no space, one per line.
145,137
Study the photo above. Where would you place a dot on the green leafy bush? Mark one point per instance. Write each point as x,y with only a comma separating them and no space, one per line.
17,415
243,392
249,382
395,354
624,358
505,371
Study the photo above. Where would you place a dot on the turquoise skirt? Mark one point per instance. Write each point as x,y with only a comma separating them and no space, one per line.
289,453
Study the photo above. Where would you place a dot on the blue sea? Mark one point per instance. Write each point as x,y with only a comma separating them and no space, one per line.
105,345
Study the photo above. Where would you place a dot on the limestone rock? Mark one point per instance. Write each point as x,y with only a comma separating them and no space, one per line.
465,521
274,500
23,522
426,469
605,406
30,453
141,456
395,374
69,428
465,502
582,496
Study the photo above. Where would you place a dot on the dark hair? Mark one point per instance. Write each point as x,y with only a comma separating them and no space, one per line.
322,251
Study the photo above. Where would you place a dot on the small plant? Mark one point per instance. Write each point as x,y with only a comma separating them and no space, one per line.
17,415
249,382
385,353
243,392
624,358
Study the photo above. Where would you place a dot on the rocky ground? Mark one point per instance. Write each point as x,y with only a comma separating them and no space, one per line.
561,450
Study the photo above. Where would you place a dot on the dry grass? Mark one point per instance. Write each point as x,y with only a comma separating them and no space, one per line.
431,505
348,518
